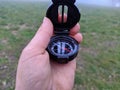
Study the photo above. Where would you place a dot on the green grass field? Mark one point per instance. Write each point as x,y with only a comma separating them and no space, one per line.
98,62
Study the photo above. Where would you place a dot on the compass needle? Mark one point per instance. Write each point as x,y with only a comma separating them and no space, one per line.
63,46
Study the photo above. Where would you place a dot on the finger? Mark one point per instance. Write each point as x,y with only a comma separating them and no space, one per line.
78,37
60,18
75,29
42,37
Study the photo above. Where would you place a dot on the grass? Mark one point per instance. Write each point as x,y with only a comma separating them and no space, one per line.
100,50
98,62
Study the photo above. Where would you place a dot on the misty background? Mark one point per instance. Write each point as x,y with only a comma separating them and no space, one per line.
115,3
98,62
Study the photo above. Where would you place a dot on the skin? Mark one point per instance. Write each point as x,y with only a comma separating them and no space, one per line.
35,69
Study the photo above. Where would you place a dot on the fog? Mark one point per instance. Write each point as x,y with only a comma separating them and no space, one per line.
95,2
115,3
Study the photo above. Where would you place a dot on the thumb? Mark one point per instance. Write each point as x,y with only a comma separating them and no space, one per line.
42,37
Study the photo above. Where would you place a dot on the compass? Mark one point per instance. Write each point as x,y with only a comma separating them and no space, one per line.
62,48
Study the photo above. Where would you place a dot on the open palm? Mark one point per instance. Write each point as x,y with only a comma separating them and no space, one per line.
35,69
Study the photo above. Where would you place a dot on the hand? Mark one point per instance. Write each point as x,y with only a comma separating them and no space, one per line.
35,69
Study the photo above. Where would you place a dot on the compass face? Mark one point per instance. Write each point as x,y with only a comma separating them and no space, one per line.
63,47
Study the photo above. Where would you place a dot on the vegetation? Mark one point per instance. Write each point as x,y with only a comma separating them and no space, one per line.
98,62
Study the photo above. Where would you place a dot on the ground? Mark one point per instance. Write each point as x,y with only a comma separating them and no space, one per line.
98,61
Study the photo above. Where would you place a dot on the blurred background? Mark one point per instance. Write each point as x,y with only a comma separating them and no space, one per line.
98,62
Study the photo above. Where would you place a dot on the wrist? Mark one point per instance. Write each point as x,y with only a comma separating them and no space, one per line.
19,87
61,87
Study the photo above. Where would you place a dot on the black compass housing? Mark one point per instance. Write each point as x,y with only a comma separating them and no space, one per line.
62,29
72,47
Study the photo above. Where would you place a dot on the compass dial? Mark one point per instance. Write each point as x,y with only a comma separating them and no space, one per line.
63,48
